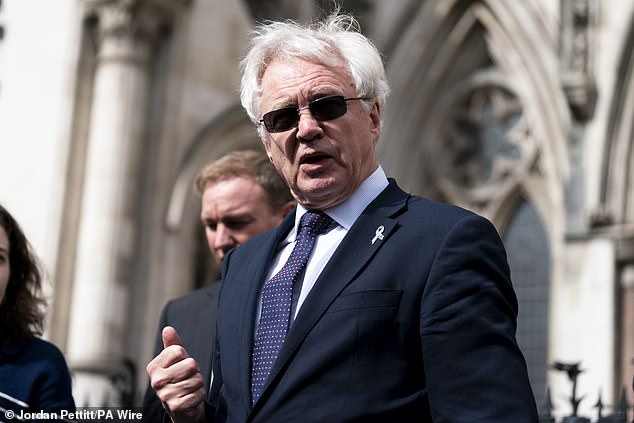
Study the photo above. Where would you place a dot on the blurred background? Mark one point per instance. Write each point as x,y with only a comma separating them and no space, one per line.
521,111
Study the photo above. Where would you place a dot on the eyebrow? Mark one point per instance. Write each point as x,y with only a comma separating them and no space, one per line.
236,216
292,103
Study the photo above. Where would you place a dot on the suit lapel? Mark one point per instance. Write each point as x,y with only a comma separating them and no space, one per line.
354,252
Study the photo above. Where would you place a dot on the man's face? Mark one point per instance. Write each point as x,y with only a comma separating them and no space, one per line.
322,162
5,268
234,210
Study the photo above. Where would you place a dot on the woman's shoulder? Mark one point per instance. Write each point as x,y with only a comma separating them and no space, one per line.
35,372
34,356
37,348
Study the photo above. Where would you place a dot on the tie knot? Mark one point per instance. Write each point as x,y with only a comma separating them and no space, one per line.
314,222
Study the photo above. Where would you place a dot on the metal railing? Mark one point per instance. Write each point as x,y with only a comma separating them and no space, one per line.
617,413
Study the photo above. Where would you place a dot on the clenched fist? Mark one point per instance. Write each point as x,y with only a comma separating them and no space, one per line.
176,379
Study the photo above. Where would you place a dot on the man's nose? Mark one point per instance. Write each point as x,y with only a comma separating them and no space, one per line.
224,239
308,127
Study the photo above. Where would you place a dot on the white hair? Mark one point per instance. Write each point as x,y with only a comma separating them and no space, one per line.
326,42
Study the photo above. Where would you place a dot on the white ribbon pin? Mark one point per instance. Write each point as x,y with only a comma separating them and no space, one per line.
378,234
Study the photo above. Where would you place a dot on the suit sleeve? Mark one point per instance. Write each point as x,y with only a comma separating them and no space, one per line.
152,408
474,369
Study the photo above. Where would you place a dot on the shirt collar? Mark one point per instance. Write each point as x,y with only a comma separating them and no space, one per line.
346,213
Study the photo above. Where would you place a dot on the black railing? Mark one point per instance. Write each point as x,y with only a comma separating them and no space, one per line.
617,413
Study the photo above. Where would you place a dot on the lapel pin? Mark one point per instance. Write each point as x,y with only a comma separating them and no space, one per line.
378,234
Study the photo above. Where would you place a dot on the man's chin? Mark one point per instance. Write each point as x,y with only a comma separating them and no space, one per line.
321,194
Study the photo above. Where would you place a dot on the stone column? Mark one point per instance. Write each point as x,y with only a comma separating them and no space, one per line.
627,326
125,33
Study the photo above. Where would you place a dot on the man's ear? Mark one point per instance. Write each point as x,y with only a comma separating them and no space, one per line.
375,117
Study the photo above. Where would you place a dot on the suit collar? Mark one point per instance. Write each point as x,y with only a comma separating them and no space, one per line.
353,253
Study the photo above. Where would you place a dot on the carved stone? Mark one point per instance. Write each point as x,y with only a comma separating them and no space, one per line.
577,37
137,19
487,142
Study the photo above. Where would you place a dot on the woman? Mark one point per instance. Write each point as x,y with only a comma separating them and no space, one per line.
33,373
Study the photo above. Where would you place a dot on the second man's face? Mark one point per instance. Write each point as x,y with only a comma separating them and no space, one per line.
234,210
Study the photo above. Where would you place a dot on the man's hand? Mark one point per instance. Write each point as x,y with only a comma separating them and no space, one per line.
176,379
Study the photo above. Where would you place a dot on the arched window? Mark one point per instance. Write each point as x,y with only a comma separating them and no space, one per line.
529,259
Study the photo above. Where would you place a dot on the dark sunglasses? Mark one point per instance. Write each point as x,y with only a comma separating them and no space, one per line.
322,109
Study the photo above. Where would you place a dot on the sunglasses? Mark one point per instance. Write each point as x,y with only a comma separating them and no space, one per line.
322,109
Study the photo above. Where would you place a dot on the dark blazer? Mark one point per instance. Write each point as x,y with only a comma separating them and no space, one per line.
33,377
417,327
194,318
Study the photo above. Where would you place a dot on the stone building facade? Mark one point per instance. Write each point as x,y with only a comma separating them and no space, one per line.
521,111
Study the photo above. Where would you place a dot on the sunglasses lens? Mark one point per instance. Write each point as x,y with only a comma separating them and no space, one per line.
281,120
328,108
323,109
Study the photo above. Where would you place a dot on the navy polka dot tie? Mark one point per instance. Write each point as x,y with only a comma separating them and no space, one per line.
277,297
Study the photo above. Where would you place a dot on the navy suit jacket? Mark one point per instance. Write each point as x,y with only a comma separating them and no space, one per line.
194,318
417,327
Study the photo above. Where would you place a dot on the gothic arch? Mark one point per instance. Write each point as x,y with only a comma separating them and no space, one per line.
503,206
449,44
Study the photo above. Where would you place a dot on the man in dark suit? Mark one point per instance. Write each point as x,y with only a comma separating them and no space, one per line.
367,304
242,195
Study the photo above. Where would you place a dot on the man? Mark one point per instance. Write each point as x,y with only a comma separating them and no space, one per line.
367,304
242,196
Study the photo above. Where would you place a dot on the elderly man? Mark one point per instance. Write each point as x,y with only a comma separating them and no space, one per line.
367,304
242,195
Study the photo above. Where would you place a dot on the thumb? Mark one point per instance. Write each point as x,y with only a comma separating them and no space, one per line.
170,337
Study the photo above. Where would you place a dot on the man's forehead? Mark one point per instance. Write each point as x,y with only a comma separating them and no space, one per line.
237,195
285,77
230,185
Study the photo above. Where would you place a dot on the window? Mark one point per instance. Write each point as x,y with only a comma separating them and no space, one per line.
529,259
